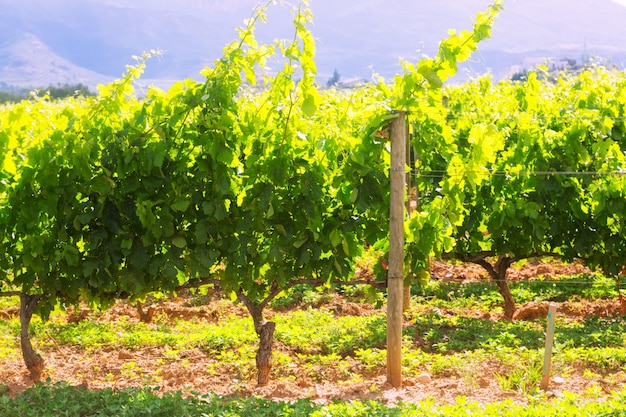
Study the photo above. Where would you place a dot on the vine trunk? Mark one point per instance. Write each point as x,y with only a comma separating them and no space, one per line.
34,362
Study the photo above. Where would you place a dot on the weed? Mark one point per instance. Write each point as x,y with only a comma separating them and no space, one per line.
372,360
318,331
593,391
7,302
524,377
130,370
484,294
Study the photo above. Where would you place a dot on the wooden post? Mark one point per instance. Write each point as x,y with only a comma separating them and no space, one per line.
406,295
395,278
547,359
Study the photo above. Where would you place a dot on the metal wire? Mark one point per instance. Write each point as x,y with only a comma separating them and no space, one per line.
531,281
442,173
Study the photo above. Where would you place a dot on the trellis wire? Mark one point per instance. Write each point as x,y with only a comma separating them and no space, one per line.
442,173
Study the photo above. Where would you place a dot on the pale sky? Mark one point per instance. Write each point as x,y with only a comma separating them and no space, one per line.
354,37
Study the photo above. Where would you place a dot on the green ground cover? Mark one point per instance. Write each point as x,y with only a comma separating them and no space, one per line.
59,400
446,333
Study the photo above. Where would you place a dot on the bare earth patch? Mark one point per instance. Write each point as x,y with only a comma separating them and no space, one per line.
530,269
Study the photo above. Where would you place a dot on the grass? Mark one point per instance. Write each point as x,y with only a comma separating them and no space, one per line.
522,376
8,338
60,400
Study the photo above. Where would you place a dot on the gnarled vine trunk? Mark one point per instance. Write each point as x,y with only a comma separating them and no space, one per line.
265,331
497,272
264,354
501,266
509,302
34,362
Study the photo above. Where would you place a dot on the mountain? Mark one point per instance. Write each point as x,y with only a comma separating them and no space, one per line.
25,61
93,40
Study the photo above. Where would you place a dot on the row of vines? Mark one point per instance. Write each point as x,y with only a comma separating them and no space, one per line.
521,170
252,188
255,180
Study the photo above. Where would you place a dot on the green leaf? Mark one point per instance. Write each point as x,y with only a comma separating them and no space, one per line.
335,237
430,74
298,243
226,156
170,271
345,247
89,267
102,184
202,232
158,154
181,205
139,258
354,194
145,214
179,242
309,107
70,255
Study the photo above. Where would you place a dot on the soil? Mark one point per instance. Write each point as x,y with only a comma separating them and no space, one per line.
188,372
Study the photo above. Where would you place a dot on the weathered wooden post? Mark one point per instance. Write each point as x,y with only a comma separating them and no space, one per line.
547,359
406,295
395,277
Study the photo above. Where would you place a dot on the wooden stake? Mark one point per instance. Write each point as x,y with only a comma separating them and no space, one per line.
406,295
547,359
395,278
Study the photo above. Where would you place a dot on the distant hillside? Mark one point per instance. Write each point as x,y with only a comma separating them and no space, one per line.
25,61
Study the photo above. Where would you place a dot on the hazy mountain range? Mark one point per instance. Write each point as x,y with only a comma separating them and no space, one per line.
45,42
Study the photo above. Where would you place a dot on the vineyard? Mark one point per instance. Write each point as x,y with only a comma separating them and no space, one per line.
265,198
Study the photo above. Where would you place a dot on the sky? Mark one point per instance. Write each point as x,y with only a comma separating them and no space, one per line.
355,37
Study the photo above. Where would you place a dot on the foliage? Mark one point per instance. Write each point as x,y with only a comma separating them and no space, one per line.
66,401
134,196
528,173
259,188
516,170
272,184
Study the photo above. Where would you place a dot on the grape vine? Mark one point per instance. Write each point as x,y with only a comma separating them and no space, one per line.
254,188
537,170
